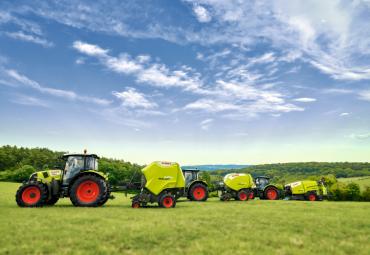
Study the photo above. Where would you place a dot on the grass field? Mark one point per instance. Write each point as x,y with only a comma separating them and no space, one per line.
213,227
362,181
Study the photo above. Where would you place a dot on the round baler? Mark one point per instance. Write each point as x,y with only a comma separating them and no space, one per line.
161,183
236,186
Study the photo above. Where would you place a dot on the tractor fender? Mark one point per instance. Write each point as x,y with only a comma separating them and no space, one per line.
197,181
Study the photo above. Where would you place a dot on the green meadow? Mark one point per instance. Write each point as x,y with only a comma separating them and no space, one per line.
212,227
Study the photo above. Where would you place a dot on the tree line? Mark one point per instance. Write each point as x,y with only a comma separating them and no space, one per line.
18,163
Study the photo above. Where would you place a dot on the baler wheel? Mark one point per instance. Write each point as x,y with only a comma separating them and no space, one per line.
167,201
135,204
312,197
242,195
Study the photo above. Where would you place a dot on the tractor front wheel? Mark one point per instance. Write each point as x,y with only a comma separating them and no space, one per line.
89,191
31,194
167,201
198,192
242,195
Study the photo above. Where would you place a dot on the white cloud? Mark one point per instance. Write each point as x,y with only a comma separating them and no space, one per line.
344,114
206,124
89,49
364,95
305,99
29,38
155,74
246,96
16,77
29,101
131,98
360,136
210,105
202,14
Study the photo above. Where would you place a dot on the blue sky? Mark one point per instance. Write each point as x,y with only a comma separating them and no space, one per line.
190,81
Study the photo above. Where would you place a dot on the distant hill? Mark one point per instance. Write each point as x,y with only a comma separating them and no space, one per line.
297,171
215,167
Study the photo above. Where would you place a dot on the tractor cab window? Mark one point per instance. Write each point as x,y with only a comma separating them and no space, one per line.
74,165
188,177
91,163
262,182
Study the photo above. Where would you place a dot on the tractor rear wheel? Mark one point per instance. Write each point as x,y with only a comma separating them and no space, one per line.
271,193
167,201
311,197
251,195
89,190
52,201
242,195
31,194
109,190
198,192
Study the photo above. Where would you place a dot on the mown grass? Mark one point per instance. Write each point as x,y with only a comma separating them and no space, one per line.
213,227
363,181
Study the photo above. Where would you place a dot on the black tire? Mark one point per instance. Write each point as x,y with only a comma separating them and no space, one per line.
243,195
135,204
195,195
268,193
52,201
33,189
167,201
107,196
102,194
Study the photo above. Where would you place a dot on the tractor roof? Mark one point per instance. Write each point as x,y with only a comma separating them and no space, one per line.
190,169
80,154
265,177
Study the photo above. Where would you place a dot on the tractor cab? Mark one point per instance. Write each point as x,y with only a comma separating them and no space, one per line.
261,182
190,176
76,163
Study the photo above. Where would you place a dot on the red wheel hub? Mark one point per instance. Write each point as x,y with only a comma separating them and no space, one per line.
31,195
88,191
135,205
167,202
271,194
243,196
312,197
199,193
251,195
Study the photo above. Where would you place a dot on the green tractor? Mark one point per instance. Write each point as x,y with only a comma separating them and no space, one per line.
162,183
80,181
265,190
195,189
236,186
306,190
